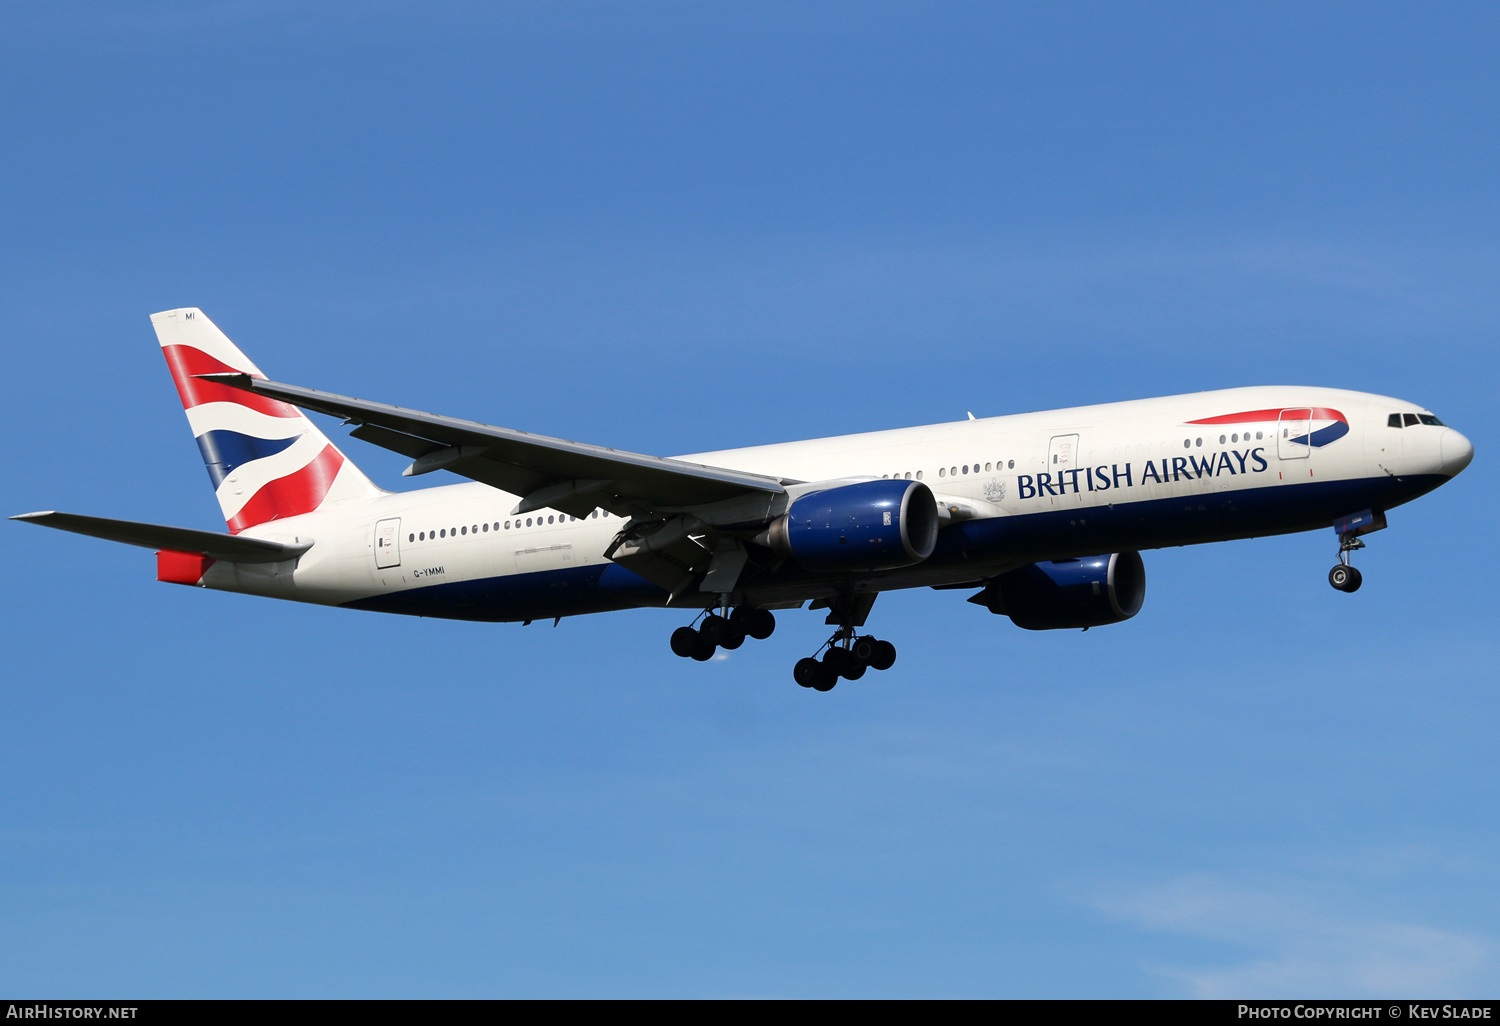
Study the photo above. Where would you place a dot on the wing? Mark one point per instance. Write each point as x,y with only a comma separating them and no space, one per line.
547,472
176,539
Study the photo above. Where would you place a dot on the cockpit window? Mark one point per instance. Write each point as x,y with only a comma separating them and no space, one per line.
1394,420
1430,420
1411,419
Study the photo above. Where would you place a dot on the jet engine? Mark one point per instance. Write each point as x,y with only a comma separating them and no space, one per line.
869,525
1069,593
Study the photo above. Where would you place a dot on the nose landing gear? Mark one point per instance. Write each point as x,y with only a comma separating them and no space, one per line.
1343,576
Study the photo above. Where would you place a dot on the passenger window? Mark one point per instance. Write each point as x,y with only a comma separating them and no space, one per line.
1012,465
411,537
1221,439
1411,419
919,475
528,521
550,519
942,472
986,466
966,468
1394,420
443,533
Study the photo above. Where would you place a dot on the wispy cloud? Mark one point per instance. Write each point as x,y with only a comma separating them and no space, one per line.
1300,944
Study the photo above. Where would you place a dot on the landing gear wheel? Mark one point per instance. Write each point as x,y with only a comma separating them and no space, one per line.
835,661
702,651
864,649
715,629
809,673
884,656
838,662
757,623
827,683
684,641
734,640
1345,578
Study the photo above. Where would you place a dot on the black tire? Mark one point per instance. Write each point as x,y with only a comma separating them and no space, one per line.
757,623
1355,580
684,641
827,682
703,652
808,672
853,669
714,629
762,624
884,656
1342,576
734,640
864,649
835,661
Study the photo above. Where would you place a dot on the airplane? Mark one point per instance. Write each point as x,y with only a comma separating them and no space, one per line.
1041,515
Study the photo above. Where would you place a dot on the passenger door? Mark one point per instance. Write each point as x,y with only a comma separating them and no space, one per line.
1293,425
1062,456
388,543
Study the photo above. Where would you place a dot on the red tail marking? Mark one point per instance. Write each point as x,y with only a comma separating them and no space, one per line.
185,361
299,492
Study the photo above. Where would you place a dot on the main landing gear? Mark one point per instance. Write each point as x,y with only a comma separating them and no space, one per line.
1344,576
848,656
728,632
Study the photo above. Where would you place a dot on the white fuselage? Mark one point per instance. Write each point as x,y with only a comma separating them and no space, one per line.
1015,489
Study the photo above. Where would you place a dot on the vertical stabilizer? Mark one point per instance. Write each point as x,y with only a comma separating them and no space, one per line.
266,459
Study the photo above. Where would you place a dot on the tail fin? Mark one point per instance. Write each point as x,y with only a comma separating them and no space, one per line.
267,460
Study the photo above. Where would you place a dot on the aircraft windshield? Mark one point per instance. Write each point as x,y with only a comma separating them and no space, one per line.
1427,418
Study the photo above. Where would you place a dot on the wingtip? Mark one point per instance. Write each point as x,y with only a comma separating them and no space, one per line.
34,516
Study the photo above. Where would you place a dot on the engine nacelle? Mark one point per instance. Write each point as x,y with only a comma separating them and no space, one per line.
870,525
1087,592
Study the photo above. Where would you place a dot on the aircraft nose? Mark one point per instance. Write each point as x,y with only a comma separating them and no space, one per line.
1457,451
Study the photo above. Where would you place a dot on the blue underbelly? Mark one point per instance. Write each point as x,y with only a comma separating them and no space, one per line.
962,549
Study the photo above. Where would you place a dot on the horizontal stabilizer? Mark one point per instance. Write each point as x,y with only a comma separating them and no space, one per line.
228,547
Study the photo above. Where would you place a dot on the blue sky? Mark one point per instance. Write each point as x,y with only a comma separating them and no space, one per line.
673,227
